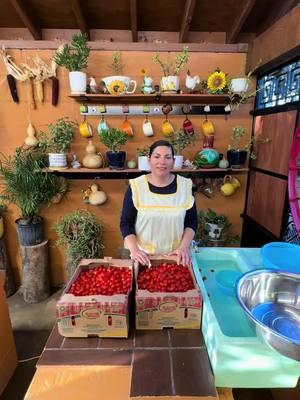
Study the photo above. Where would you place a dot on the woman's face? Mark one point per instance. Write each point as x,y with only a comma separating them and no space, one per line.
161,161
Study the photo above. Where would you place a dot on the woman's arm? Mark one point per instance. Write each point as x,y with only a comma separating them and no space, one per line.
136,253
183,250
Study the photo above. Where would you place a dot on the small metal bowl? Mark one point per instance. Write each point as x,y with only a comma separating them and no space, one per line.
271,300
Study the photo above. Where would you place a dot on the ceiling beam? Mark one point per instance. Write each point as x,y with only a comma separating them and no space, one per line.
245,10
26,19
80,18
186,20
133,20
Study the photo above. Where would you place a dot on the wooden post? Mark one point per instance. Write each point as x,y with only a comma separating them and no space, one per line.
35,282
10,287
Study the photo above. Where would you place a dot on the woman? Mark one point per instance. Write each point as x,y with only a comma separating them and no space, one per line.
159,213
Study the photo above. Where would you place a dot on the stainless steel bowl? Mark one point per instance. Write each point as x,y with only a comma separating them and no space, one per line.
271,299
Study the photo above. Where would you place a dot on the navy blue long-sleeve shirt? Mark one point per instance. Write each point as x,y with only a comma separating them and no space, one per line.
129,212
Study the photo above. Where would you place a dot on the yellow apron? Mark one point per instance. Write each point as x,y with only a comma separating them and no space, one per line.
160,218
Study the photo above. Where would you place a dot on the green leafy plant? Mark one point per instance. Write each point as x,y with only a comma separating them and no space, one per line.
212,217
173,67
180,140
74,57
113,139
60,136
116,65
240,143
81,233
26,184
143,151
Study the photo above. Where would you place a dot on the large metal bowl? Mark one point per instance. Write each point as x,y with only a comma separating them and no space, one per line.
271,299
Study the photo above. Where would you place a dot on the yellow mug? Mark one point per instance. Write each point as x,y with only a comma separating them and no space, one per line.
208,128
85,130
167,128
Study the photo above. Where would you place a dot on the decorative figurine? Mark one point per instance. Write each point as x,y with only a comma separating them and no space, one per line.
147,85
94,88
75,163
97,197
191,82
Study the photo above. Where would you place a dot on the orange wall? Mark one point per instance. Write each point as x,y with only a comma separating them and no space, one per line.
14,119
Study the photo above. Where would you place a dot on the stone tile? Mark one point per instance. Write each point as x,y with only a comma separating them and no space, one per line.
186,338
86,357
151,374
55,339
192,373
117,343
151,338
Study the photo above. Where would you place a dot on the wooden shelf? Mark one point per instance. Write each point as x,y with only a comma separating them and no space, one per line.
106,173
153,98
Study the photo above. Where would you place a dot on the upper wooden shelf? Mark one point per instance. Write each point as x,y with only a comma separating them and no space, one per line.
203,99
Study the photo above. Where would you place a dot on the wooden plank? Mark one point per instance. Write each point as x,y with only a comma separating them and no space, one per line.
26,19
111,46
239,22
186,20
225,394
133,20
80,18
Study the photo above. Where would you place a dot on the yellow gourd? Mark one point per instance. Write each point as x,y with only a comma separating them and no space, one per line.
92,159
31,140
97,197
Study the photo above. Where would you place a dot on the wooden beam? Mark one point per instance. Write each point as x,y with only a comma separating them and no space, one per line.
186,20
239,22
80,18
129,46
27,21
133,20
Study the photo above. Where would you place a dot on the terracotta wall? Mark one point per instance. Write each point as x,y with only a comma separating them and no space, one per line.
281,37
14,119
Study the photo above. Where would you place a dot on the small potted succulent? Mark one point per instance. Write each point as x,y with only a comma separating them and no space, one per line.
114,139
171,69
180,140
143,158
57,142
74,57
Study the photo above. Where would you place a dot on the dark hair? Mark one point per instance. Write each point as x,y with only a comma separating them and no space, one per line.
161,143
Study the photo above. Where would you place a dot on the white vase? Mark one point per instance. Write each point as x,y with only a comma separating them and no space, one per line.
57,160
239,85
77,81
169,83
143,163
178,163
214,231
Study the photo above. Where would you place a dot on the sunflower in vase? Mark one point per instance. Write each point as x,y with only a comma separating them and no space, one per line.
217,82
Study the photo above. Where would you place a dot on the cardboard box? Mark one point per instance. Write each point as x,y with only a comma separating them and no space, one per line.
8,354
158,310
94,315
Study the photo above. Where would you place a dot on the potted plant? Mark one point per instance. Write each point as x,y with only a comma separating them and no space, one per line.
171,69
213,229
57,142
114,139
216,83
81,233
27,185
180,141
74,57
143,158
118,83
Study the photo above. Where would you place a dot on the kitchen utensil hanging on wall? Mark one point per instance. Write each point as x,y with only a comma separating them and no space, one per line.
127,127
167,128
103,125
187,124
147,127
208,131
85,129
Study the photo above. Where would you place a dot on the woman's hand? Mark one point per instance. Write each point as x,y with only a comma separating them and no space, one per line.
183,255
140,256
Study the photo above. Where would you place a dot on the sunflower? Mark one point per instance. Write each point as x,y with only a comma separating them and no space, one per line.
144,71
116,87
216,82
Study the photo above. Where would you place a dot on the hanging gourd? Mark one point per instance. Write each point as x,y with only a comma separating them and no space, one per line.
97,197
31,140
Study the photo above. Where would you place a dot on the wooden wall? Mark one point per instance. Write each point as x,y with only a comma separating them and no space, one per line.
14,119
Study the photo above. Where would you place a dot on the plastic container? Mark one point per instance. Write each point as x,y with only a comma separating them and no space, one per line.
226,280
282,256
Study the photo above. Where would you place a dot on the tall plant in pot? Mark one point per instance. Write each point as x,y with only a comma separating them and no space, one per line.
114,139
57,142
171,69
180,140
74,57
27,185
81,233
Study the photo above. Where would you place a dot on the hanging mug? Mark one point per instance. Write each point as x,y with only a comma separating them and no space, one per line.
167,128
147,128
208,127
188,127
126,127
102,126
85,130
